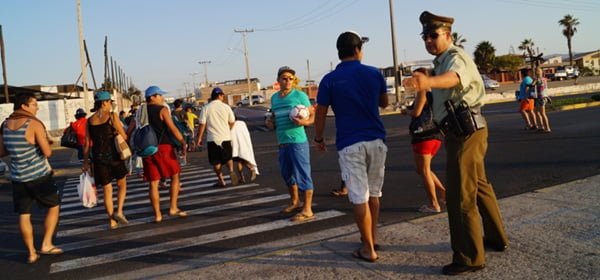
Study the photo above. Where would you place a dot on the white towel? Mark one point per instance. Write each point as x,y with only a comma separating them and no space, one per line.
242,144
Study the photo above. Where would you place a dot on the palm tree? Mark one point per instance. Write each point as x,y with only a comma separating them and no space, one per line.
527,46
570,23
485,55
458,40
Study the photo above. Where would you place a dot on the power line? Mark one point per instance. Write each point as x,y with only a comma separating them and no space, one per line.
314,17
573,5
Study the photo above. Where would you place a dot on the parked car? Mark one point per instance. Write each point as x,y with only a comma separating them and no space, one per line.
256,99
489,83
563,73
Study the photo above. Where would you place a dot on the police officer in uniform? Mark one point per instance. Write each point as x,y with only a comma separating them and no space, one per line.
471,200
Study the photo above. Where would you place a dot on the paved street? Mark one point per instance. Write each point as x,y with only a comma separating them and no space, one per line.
227,226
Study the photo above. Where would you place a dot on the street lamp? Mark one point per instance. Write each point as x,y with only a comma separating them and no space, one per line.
194,82
244,33
205,62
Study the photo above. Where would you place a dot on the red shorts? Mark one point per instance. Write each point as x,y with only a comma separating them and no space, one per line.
427,147
526,105
163,164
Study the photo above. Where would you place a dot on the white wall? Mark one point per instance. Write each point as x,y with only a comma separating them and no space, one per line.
56,114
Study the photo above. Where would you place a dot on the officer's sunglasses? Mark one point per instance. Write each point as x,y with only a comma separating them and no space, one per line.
432,35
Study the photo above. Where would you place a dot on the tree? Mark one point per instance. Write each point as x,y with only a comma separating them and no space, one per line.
458,40
484,55
570,23
527,46
509,62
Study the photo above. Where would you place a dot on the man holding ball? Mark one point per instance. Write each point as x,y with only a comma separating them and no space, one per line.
294,150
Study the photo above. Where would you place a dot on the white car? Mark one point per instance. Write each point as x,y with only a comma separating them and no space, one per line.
256,99
489,83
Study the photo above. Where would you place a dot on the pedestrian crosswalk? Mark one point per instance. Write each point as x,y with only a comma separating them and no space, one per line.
83,232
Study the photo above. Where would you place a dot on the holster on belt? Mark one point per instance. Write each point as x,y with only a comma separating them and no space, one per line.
462,120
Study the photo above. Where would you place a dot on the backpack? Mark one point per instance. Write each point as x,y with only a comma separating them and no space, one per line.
183,128
143,141
69,138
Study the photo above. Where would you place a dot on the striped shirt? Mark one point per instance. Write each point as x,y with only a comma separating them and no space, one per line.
27,163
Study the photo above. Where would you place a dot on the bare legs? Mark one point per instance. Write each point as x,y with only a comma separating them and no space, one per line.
218,171
27,232
174,198
544,123
529,118
366,216
430,180
108,200
240,164
295,202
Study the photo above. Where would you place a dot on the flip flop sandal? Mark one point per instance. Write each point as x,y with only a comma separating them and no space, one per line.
301,217
337,192
34,260
52,251
358,255
120,219
179,213
290,209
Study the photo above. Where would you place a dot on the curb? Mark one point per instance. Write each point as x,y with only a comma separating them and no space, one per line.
577,106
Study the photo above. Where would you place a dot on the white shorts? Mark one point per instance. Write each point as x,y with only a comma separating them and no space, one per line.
363,168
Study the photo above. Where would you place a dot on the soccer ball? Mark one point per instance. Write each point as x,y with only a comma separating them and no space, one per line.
299,112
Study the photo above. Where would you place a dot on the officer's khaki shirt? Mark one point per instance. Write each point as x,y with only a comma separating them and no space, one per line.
470,88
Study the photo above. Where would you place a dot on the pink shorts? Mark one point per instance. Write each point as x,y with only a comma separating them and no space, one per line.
163,164
427,147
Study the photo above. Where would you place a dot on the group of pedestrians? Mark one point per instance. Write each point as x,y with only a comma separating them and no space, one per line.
533,98
354,91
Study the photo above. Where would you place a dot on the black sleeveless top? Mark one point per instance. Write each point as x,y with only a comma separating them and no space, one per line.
157,124
103,139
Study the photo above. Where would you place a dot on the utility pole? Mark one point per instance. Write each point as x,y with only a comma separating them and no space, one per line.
205,63
397,75
194,83
308,69
4,66
244,33
88,100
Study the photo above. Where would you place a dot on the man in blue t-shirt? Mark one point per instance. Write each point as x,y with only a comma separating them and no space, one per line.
526,103
355,91
294,150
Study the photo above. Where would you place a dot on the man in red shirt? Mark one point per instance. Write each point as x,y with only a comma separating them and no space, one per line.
79,127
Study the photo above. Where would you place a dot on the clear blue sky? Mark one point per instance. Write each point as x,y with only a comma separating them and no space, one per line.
160,42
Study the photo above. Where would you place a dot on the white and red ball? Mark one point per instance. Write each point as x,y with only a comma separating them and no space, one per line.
299,112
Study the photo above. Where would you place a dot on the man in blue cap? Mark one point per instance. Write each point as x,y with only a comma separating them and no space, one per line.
164,163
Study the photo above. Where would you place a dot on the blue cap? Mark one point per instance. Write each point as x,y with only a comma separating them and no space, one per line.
154,90
215,93
102,96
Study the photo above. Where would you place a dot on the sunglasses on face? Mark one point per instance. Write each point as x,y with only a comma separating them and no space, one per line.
287,79
431,35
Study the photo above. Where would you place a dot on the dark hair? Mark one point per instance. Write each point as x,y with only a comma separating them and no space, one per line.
177,103
348,51
22,99
97,105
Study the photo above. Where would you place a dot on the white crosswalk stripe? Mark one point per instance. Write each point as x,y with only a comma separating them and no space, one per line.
206,206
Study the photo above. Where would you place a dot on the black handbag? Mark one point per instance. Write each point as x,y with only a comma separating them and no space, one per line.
69,138
423,125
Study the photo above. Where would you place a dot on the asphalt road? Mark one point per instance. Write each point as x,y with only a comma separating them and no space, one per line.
518,161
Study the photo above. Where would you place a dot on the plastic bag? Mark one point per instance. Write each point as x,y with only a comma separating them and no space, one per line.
87,190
